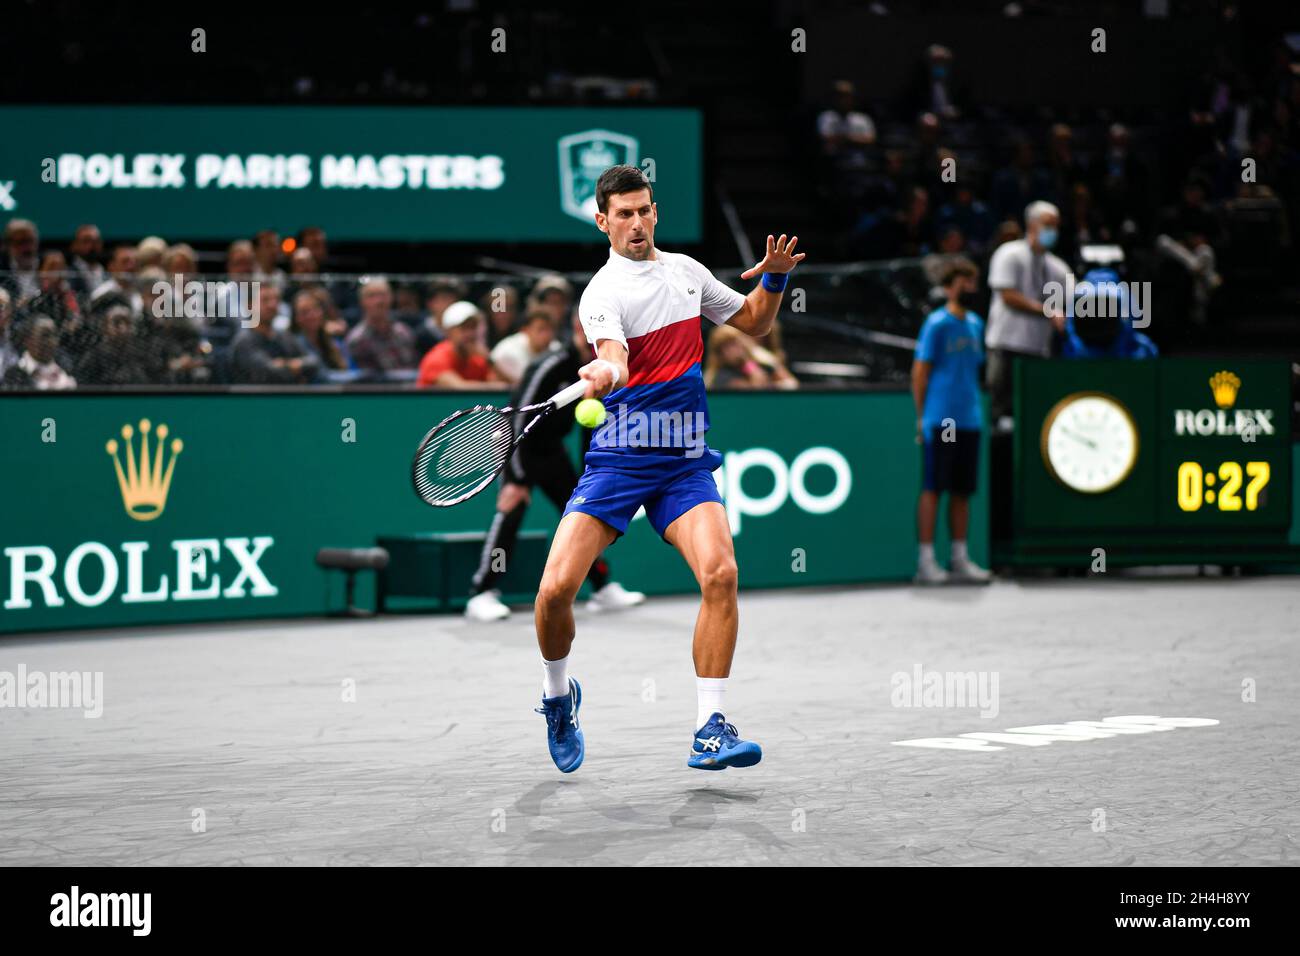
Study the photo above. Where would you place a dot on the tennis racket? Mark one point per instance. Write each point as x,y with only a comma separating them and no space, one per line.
465,452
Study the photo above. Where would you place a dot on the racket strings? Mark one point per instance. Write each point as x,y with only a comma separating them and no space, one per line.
463,455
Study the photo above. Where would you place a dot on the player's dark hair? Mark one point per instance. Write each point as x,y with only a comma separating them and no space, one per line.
618,180
959,266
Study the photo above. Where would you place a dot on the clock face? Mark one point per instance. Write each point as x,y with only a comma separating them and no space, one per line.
1090,442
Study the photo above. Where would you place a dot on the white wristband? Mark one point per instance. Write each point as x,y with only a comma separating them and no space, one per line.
613,370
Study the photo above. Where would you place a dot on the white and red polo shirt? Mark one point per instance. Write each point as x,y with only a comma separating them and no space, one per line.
654,308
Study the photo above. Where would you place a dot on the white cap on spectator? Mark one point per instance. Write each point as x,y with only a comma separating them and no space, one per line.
459,312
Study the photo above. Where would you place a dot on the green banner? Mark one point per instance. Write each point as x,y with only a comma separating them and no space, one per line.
138,509
376,173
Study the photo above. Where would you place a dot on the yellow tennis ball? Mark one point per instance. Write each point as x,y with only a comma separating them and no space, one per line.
590,412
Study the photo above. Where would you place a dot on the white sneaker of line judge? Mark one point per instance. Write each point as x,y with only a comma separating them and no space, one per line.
966,571
613,597
486,606
928,571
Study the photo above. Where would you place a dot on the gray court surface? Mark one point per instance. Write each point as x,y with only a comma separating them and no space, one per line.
440,759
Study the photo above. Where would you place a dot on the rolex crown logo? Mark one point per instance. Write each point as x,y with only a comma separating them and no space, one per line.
143,480
1224,385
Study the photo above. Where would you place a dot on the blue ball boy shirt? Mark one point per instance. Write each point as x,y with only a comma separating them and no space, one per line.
955,350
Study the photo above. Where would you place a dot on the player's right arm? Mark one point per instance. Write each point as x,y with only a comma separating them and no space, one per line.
602,323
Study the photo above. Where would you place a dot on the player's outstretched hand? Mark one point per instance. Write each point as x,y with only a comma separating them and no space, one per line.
780,257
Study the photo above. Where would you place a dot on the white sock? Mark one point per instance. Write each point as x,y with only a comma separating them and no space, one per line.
556,681
927,553
959,549
709,692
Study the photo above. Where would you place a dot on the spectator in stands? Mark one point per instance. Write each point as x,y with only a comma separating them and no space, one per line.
1062,168
312,238
934,90
951,241
847,137
406,304
237,293
378,344
501,306
84,260
769,353
60,303
116,358
1120,183
20,261
182,260
152,251
460,361
968,214
516,352
1019,184
440,293
927,153
9,354
884,191
553,294
1020,322
266,255
121,279
149,280
731,363
261,355
56,298
309,311
1083,225
303,275
907,231
1186,241
38,368
341,292
172,344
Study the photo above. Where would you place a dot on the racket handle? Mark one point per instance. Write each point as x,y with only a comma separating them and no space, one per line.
567,396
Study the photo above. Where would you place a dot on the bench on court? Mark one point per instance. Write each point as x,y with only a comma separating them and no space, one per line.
350,561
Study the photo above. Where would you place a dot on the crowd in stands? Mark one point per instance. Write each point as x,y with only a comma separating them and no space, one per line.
936,174
143,314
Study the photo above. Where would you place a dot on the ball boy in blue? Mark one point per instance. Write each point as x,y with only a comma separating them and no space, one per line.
945,386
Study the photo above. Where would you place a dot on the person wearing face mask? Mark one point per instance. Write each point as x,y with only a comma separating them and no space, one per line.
1021,322
949,421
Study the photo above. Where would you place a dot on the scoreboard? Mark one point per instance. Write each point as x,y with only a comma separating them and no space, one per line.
1156,462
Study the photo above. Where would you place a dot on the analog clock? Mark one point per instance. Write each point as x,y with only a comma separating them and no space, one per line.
1090,442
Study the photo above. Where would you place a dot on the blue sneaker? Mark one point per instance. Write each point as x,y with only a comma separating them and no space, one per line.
563,736
718,746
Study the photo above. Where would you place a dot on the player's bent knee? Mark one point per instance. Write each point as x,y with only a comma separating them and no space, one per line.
719,579
555,594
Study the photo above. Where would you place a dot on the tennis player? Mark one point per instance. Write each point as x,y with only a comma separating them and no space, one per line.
641,313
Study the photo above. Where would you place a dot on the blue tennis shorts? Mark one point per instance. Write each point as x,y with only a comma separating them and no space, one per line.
614,496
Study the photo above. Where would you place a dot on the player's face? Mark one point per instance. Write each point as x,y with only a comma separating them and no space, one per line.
630,224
